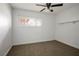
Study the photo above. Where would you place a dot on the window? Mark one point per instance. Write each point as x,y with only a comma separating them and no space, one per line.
30,21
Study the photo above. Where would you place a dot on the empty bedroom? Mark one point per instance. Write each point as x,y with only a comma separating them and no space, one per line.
39,29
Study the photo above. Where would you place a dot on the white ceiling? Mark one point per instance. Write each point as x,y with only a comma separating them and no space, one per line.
33,7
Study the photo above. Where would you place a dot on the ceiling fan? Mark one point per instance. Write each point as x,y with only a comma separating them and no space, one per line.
49,6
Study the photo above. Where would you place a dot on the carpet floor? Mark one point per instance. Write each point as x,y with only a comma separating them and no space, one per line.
49,48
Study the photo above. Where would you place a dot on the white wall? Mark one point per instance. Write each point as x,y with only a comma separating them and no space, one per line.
5,29
23,34
68,33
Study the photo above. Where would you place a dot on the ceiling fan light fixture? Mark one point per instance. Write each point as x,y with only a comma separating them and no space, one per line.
51,10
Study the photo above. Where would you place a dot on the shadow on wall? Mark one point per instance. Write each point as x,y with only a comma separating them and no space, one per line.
5,40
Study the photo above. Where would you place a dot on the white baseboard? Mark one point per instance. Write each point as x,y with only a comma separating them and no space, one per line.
68,44
31,42
7,51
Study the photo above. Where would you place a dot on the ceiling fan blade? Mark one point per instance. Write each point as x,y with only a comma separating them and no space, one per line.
56,5
40,5
42,9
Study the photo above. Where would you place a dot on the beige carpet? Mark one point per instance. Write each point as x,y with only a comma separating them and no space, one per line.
50,48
